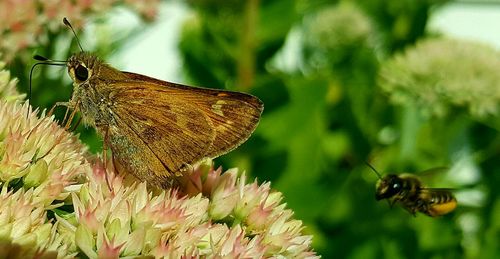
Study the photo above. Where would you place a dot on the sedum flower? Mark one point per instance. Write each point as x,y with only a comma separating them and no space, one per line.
211,214
254,209
8,91
441,74
37,153
39,162
130,220
24,222
334,34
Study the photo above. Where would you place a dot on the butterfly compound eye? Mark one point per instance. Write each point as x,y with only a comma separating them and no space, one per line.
81,73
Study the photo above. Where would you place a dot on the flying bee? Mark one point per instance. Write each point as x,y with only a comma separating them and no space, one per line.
408,191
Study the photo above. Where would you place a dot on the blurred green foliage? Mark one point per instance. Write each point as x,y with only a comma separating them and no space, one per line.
318,65
325,115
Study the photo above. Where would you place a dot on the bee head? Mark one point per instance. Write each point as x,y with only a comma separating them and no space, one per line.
388,186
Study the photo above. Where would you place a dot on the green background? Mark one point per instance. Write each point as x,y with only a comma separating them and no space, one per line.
326,115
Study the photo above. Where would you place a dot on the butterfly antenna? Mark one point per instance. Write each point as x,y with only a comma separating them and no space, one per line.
374,170
66,22
43,61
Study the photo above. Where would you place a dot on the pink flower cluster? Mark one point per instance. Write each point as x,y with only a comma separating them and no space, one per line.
211,214
24,22
236,220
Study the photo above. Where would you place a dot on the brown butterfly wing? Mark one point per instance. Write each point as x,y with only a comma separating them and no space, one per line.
181,124
177,133
133,153
234,115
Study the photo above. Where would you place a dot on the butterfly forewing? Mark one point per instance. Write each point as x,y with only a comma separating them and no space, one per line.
181,125
234,119
234,116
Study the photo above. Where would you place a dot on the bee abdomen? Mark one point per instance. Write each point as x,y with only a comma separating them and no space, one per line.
442,197
441,203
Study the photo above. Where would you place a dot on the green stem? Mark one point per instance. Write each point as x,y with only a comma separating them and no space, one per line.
246,62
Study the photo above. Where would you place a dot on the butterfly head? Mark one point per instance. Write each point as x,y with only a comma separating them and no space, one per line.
81,67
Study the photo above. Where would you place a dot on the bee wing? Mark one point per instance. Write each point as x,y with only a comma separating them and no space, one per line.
435,170
181,124
433,175
438,189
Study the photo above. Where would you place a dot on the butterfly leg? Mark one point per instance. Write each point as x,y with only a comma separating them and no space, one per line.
51,111
71,116
180,178
185,168
104,155
76,124
69,105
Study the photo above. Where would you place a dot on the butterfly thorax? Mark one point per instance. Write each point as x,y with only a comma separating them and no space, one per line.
91,96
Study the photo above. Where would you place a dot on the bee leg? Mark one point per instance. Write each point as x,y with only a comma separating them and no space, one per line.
422,206
411,209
